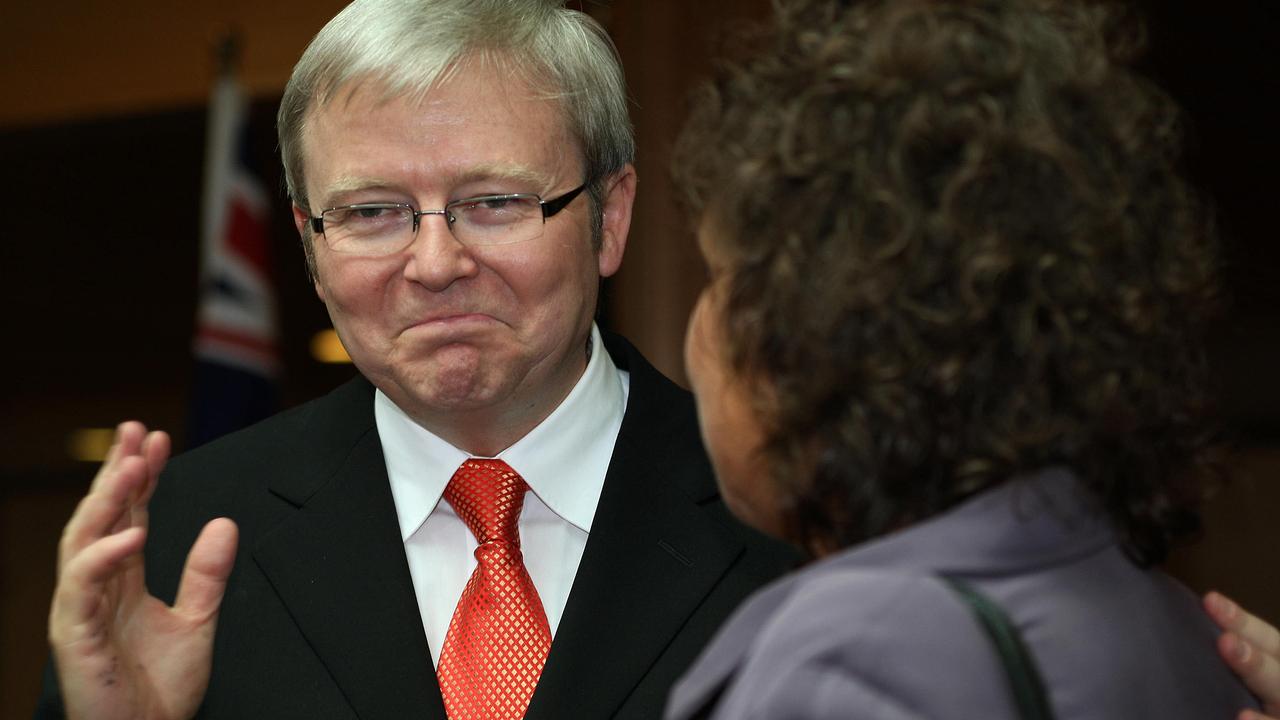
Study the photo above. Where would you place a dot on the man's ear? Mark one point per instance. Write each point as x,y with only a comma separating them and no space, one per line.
619,199
300,218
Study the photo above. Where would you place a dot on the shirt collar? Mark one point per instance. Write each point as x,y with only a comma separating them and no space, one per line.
564,458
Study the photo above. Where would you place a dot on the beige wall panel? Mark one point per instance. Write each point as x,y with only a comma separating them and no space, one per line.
66,60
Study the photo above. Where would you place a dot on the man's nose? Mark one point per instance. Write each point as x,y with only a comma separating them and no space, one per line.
437,258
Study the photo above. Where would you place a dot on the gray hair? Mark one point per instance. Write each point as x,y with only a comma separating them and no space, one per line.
406,47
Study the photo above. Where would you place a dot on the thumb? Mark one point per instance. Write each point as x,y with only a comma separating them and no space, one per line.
204,579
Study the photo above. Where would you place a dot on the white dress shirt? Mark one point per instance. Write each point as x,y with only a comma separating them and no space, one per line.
563,460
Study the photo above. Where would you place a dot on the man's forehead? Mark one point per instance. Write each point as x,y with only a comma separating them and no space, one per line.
359,97
502,80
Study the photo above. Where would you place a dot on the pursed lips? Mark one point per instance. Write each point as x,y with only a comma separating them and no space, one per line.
446,320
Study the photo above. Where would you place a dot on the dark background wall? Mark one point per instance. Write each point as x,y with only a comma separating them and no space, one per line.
101,144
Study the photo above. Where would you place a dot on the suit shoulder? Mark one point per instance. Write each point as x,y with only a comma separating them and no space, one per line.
304,428
239,475
646,378
230,475
660,429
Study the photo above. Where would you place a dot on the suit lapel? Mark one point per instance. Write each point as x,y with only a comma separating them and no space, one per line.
652,558
338,565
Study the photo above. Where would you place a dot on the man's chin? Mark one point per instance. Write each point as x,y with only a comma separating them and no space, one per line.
450,387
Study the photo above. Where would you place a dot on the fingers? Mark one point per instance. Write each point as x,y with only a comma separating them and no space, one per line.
80,584
120,490
155,450
1251,647
204,579
1254,630
1260,671
126,442
103,539
101,511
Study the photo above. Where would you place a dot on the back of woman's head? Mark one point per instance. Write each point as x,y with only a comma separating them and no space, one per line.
957,248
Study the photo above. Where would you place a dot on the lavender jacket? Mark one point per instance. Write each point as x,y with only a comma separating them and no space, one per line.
872,633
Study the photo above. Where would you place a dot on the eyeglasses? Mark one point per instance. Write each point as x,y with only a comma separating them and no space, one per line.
386,228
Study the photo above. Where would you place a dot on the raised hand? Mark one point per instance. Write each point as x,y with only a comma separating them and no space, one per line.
121,653
1251,646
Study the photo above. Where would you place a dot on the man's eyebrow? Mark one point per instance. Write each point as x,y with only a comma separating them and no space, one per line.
351,183
478,173
502,171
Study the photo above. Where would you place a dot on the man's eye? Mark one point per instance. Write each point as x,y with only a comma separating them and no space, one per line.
371,213
376,215
495,204
496,210
365,216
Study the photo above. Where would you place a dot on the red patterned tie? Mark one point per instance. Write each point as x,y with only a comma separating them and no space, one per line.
498,638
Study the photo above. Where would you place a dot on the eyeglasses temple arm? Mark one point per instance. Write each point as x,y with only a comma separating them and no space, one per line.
551,207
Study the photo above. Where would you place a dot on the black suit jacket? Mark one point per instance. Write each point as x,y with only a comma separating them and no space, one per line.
320,618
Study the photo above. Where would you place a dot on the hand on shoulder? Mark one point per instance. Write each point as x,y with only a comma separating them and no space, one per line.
1251,647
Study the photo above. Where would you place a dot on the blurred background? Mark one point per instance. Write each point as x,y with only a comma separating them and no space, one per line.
103,135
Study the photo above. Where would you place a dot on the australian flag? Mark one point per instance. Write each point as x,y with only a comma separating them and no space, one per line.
237,356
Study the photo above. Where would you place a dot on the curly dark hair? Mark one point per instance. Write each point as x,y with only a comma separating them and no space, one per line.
958,249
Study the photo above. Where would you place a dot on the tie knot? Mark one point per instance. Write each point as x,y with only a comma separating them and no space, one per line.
488,495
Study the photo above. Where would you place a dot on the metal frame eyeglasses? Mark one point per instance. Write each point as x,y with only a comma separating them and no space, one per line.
379,228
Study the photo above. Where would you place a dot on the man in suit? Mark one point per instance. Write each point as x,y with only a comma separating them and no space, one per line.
461,177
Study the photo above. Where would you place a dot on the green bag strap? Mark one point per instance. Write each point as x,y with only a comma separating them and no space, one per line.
1019,665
